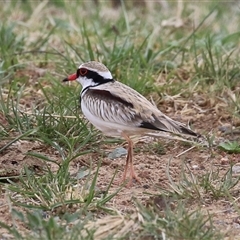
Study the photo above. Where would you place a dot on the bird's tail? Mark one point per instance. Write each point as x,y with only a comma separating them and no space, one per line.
167,124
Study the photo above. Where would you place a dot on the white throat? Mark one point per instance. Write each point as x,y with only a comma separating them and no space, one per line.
86,82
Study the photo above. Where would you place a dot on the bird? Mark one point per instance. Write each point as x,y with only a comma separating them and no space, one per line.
118,110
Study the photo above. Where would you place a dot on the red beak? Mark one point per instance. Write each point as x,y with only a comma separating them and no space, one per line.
72,77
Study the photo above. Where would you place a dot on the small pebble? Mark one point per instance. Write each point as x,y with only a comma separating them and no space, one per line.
225,128
195,167
224,161
236,169
82,173
117,153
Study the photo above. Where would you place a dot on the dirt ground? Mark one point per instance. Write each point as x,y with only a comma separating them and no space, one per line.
150,167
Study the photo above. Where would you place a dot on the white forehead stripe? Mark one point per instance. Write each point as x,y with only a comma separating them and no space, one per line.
99,68
106,75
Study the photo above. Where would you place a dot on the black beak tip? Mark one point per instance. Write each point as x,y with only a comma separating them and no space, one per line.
65,80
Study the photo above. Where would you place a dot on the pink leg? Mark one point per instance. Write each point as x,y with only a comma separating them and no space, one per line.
125,169
129,160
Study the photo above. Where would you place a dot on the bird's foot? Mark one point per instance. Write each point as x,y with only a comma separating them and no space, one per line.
129,181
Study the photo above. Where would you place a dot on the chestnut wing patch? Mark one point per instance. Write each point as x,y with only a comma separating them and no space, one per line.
109,96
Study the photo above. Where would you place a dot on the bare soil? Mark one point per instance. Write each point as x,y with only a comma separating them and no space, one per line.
150,167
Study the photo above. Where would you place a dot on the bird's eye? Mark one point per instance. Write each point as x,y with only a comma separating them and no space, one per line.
83,71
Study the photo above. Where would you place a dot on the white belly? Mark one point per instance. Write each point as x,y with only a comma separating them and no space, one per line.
108,128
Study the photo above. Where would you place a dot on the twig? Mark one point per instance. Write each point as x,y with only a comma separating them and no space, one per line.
180,154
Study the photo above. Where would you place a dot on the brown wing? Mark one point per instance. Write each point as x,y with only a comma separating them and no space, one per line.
120,104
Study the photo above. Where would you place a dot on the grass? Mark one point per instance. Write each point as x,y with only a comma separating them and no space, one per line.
213,185
231,147
190,71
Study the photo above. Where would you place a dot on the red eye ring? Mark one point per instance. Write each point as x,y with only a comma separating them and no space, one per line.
83,71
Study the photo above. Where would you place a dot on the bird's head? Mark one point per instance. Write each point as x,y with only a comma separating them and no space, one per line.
91,74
